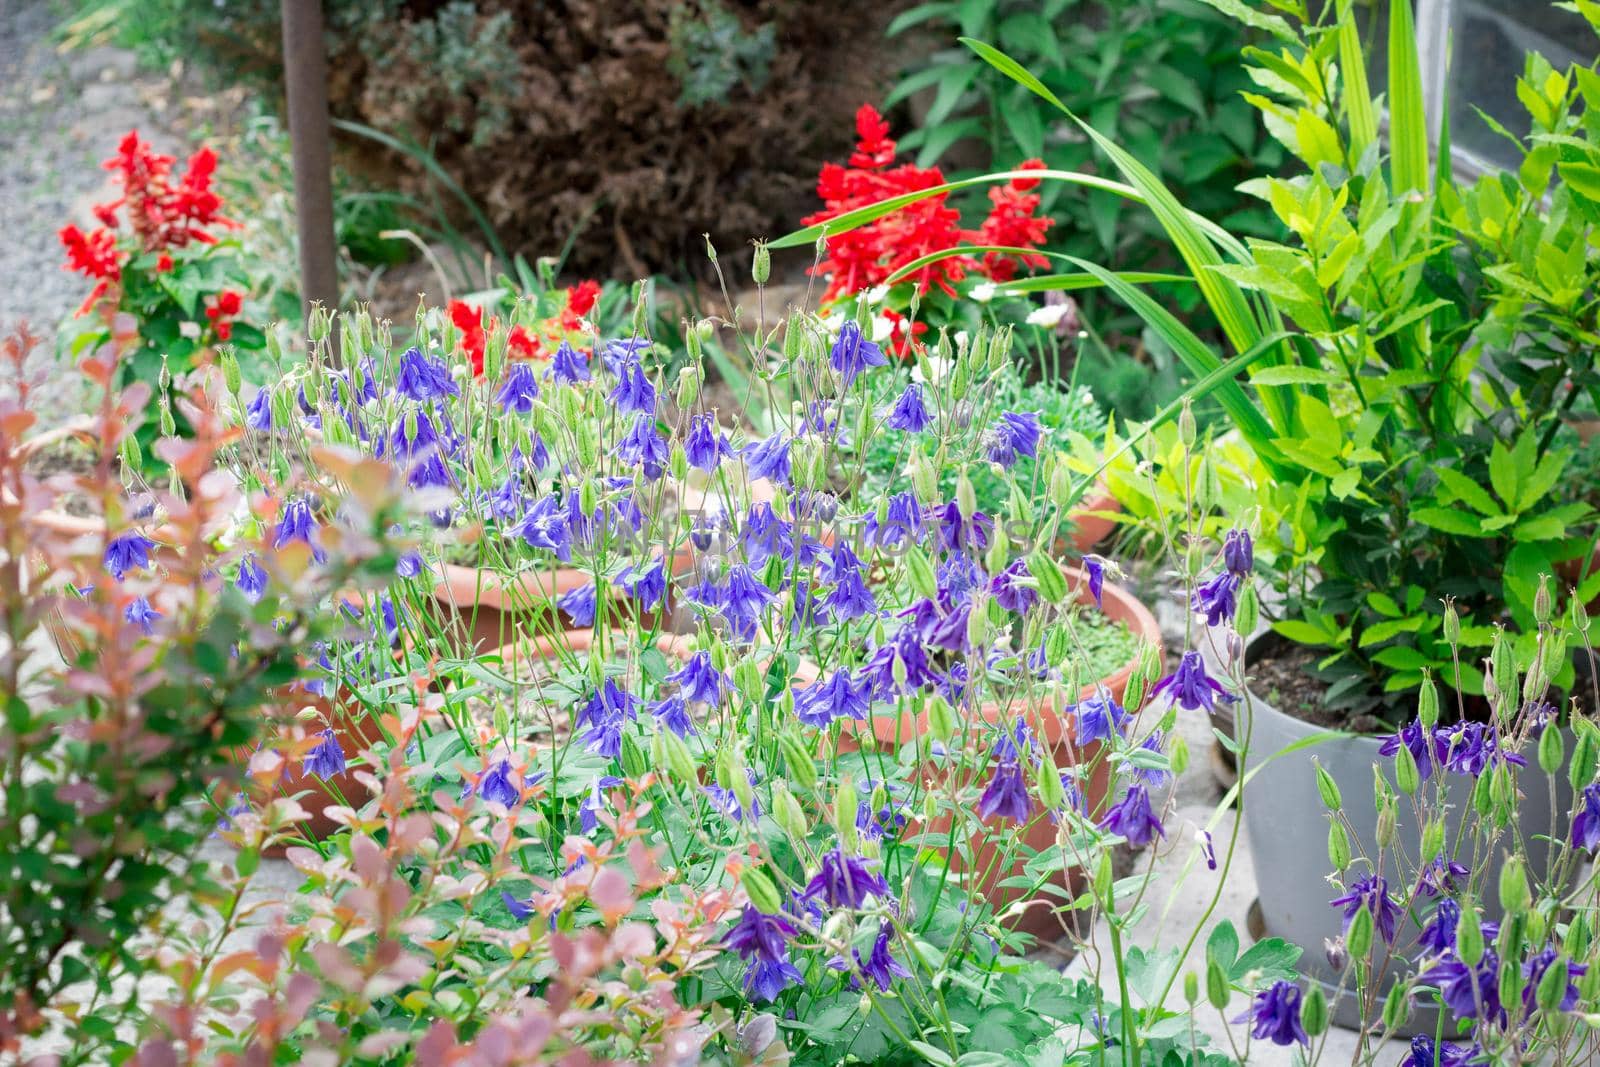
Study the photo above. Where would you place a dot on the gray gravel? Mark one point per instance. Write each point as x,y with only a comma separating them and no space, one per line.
60,115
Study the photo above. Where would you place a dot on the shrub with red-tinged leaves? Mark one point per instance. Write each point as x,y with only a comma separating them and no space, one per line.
162,254
869,255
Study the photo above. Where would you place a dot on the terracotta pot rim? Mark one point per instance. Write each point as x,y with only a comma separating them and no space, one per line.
460,585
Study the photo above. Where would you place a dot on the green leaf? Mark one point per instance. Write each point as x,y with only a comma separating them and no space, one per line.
1503,475
1303,633
1356,97
1256,20
1465,489
1269,960
1583,178
1450,521
1408,122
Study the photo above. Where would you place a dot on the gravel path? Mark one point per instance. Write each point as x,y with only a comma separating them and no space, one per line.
60,115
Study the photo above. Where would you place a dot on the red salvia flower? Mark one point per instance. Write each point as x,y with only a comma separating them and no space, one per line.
469,320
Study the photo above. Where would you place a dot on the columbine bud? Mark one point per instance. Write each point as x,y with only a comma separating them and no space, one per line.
1514,893
1406,775
1428,701
230,371
1329,790
1394,1006
1432,840
1551,749
798,761
1186,426
966,497
1218,989
1469,934
1191,988
1452,623
1358,939
1336,953
919,572
845,802
761,268
763,894
1585,758
1248,613
711,250
688,387
678,759
1314,1010
924,478
787,812
1580,623
941,717
1553,986
1338,847
1051,792
1178,757
132,456
1388,820
1541,601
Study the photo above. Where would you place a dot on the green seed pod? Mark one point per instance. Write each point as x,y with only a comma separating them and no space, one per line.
1511,983
1406,775
763,894
678,461
1329,790
1552,750
1580,623
588,496
634,763
1105,882
1432,840
1191,988
1514,893
1513,936
924,478
1218,989
132,456
1428,701
977,629
1051,793
845,802
1061,487
1503,788
1187,430
1483,795
678,760
1576,944
941,717
1358,939
1248,614
881,512
1536,926
787,812
230,371
1388,819
1314,1011
1452,623
588,444
688,386
711,249
1553,987
799,762
1178,757
966,497
919,572
743,791
1585,758
1047,574
1338,847
1541,601
1469,934
761,267
998,553
722,767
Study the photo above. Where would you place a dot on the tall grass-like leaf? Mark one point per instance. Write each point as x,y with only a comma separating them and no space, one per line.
1225,298
1204,363
1358,109
1408,122
1018,285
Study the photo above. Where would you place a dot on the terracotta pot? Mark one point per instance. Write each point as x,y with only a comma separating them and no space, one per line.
1089,528
1587,429
1055,733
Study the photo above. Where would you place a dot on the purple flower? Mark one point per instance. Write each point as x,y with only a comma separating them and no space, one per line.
762,941
850,598
1274,1015
743,599
1440,876
1154,777
902,522
908,652
649,587
519,389
139,613
1238,554
567,367
1469,992
1424,1054
1425,748
520,910
421,378
1095,568
127,552
1099,718
325,760
1438,935
1015,436
1533,971
1373,891
258,416
703,445
579,604
633,391
545,526
429,474
727,801
1132,819
252,580
1586,821
1009,589
768,459
1006,795
824,702
298,524
409,565
643,446
591,806
845,881
880,966
852,353
957,534
699,680
673,713
498,785
909,413
622,351
1216,598
1471,748
1191,688
604,714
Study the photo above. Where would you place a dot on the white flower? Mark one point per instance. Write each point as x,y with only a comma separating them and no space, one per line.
882,328
962,337
877,294
984,292
1048,316
191,330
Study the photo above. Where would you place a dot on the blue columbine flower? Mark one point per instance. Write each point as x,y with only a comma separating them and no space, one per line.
1533,971
634,392
591,806
604,714
1191,687
518,391
853,353
958,534
520,910
902,522
1586,820
546,526
1440,877
727,801
1006,795
579,604
909,413
258,416
845,881
422,378
1470,748
1373,891
824,702
1424,1054
409,565
1014,437
252,580
1132,819
1469,992
1095,568
1153,777
704,447
1238,553
672,713
297,524
1011,591
762,941
498,785
1099,718
127,552
1427,749
768,459
699,680
1274,1015
139,613
1216,598
644,447
567,367
649,587
326,759
905,650
1438,934
879,966
743,599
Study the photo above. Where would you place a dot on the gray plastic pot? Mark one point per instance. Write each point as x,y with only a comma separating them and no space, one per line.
1288,833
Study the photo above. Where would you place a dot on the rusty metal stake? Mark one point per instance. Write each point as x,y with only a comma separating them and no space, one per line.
305,78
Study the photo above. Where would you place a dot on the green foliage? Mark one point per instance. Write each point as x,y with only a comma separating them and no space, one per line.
712,53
